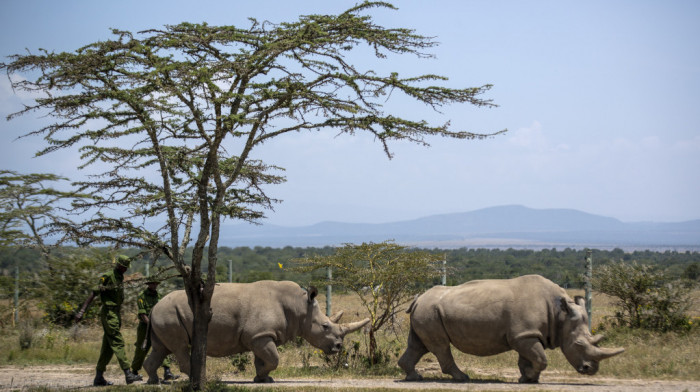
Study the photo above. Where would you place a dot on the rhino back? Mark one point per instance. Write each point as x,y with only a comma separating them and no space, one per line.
484,317
240,312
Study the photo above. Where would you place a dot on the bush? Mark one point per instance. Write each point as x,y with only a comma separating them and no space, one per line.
240,361
26,335
65,287
647,298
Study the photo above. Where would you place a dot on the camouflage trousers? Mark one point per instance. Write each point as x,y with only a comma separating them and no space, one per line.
143,344
112,340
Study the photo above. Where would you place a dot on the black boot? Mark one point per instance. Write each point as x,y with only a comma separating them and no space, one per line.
131,377
100,381
168,375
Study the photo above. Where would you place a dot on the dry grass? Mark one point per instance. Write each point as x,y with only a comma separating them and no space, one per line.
648,355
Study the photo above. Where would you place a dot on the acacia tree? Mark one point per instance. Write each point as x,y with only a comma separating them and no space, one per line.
30,217
385,276
30,210
646,297
191,101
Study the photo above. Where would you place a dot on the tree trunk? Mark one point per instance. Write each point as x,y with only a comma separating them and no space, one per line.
372,348
202,313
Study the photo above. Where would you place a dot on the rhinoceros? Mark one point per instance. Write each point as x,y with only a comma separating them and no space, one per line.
255,317
487,317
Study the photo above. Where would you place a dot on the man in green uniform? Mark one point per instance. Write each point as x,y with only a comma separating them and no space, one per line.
146,301
111,292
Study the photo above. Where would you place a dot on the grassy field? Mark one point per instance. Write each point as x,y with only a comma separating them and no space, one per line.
648,355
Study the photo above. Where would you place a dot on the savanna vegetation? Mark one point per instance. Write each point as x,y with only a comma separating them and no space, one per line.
77,269
658,353
649,355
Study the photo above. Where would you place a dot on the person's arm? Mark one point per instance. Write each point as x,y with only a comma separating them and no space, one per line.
86,304
142,315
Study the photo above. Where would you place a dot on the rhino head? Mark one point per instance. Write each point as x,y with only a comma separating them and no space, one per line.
578,345
323,332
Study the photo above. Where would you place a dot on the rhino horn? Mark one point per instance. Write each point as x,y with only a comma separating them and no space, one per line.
600,354
336,317
352,327
595,339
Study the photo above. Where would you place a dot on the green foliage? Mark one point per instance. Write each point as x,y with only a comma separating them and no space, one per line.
646,297
692,272
64,288
29,209
240,361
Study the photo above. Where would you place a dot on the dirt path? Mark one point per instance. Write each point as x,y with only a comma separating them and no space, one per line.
74,377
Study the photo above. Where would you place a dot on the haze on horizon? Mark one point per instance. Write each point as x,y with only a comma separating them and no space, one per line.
600,99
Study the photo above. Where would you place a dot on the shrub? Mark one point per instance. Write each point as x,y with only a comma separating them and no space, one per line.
26,335
240,361
63,290
647,298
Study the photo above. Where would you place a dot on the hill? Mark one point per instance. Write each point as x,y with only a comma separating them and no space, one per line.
495,227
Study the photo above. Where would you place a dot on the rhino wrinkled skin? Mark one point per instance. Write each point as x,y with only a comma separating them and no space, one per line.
527,314
255,317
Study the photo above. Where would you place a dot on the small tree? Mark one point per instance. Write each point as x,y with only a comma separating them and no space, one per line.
692,272
647,298
31,215
385,276
30,211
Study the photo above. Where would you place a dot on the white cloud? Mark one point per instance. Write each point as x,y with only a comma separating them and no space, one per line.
531,137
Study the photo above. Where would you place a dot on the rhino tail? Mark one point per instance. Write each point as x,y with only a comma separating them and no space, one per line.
184,327
148,331
412,305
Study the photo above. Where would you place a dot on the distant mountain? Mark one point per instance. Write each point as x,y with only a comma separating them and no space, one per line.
495,227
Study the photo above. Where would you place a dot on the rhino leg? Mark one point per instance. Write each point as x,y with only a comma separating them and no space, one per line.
155,359
447,363
414,352
532,360
266,359
182,355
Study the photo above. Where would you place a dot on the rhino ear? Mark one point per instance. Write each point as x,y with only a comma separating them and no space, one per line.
313,292
564,305
580,301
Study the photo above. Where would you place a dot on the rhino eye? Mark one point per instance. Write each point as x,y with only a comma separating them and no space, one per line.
326,327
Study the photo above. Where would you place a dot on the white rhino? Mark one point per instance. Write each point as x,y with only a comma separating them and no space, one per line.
487,317
253,317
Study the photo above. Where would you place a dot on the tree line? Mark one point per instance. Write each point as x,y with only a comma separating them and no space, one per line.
565,266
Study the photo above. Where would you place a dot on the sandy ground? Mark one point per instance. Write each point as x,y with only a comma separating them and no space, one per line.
15,378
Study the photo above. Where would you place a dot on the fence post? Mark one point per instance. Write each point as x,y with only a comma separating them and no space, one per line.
329,290
230,270
15,319
444,270
148,269
589,294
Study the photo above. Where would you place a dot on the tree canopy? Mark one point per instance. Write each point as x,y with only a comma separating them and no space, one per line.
31,210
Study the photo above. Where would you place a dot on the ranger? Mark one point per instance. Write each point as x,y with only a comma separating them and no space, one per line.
147,299
111,292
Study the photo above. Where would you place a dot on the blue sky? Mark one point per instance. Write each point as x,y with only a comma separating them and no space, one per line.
601,100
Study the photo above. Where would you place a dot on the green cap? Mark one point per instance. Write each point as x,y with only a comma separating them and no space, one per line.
152,279
124,261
